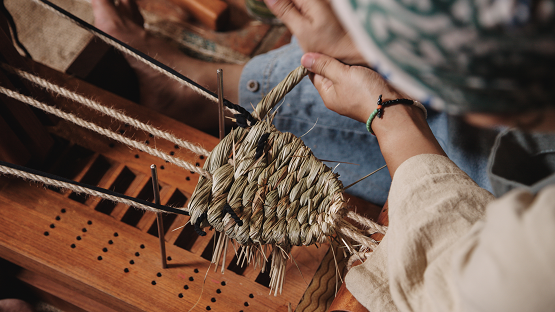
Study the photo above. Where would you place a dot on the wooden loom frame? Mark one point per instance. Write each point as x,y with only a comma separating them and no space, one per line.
69,268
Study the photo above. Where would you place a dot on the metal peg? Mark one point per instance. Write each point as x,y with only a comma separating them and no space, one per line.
159,220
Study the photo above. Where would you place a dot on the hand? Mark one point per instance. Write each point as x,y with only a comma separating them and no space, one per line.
123,21
353,91
350,91
316,28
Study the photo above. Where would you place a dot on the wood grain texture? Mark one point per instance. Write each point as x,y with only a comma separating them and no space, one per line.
78,232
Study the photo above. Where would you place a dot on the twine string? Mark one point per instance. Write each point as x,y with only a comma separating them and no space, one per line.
106,110
59,182
108,133
241,114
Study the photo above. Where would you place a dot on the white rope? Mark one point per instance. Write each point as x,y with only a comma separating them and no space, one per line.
108,133
75,188
127,51
106,110
346,229
371,225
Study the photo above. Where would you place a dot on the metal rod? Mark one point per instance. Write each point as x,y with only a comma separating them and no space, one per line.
159,220
221,117
366,176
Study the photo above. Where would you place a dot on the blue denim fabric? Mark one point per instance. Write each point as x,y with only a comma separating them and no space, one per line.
340,138
522,160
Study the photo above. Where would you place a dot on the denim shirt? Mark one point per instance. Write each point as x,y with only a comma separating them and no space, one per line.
337,138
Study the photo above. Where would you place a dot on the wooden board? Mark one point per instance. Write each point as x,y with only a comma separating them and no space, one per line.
84,156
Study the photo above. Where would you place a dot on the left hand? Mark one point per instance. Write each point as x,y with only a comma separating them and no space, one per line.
123,21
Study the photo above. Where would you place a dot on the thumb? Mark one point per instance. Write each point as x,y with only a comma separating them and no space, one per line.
325,66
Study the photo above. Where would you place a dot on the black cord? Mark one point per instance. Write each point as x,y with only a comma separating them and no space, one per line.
95,188
166,68
201,218
228,209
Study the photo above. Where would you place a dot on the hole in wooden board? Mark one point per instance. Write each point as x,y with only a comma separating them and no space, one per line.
73,162
92,177
187,237
120,185
264,278
176,200
209,250
133,215
57,151
237,268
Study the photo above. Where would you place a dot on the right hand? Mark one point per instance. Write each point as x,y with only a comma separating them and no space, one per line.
316,28
351,91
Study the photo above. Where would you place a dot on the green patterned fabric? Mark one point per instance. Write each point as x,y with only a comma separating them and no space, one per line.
460,55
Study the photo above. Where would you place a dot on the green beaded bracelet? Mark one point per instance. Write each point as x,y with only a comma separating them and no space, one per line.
379,111
369,121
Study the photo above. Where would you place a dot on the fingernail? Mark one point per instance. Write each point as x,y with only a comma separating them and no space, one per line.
307,61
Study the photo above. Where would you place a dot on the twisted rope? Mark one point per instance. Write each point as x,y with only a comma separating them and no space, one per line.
278,92
108,133
371,226
34,175
348,230
106,110
141,57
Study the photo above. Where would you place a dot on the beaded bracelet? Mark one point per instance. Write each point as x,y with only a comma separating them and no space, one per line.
379,111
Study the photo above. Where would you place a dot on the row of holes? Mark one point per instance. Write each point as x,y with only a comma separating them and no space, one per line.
137,254
75,159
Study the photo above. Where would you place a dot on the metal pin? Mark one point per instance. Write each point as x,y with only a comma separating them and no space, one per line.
221,117
159,220
366,176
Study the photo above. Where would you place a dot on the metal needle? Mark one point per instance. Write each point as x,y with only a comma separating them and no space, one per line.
159,216
221,103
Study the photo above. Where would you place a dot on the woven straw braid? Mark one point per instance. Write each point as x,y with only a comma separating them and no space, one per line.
286,197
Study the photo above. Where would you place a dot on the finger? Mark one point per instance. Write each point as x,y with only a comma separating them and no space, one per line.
324,66
312,8
132,10
322,84
287,12
103,7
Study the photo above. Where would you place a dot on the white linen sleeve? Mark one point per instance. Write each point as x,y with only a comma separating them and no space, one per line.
432,206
